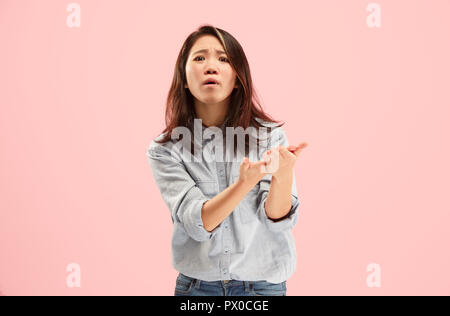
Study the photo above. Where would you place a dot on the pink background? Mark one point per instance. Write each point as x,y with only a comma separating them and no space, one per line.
79,107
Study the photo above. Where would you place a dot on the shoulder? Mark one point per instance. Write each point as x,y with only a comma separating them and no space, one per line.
156,147
265,123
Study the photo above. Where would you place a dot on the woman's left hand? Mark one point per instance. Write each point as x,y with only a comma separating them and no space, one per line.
281,160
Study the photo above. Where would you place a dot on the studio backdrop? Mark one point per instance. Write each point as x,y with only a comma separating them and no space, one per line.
83,91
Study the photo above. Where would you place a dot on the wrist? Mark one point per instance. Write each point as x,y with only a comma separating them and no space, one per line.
248,184
282,177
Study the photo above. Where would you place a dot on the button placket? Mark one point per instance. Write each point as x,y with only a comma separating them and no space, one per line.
226,237
222,262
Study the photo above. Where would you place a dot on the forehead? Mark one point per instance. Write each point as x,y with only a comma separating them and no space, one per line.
208,42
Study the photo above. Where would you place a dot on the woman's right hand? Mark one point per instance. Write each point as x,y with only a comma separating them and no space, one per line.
251,172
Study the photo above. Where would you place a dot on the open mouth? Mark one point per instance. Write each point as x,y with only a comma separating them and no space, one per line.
210,82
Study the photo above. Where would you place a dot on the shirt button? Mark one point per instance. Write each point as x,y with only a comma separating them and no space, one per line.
225,270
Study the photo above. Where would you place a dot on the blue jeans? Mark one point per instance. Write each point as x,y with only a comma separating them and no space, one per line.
187,286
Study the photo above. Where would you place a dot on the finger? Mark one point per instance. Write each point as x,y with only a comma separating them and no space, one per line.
247,162
284,152
299,149
263,168
293,148
259,163
267,158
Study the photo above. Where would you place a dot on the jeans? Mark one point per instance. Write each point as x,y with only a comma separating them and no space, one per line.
187,286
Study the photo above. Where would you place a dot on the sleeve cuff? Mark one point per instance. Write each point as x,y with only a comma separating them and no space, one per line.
194,224
285,223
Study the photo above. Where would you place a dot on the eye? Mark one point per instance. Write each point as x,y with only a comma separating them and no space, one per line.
196,58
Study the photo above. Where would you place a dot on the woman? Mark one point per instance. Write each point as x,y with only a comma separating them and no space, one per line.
232,217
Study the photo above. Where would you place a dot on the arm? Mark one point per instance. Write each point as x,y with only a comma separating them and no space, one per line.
218,208
214,211
186,202
279,199
179,191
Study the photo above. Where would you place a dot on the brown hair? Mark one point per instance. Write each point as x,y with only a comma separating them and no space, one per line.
244,105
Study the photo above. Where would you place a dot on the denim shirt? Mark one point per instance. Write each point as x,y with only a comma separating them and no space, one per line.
247,245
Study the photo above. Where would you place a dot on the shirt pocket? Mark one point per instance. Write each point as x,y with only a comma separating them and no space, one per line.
208,187
249,204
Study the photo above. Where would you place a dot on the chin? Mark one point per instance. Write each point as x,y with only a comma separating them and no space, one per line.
211,101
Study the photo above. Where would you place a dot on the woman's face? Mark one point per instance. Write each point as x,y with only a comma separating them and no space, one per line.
211,62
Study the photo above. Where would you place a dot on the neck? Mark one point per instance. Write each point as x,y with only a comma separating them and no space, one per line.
212,114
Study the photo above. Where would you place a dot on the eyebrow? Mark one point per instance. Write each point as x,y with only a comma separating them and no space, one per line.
205,50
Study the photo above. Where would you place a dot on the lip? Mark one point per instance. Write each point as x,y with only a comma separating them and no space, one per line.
210,85
209,80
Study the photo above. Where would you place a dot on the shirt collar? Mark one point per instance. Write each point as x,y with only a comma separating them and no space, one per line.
207,139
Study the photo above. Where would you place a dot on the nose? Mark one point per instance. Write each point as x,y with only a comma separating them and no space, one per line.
211,67
211,70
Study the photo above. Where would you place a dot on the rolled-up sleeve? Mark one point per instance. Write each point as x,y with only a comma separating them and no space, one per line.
179,191
289,220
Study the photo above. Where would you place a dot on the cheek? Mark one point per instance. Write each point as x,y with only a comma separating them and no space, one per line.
228,78
193,72
232,76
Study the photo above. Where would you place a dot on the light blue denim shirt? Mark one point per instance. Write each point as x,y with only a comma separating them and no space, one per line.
247,245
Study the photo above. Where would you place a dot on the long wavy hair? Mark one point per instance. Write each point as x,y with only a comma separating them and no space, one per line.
244,106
